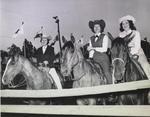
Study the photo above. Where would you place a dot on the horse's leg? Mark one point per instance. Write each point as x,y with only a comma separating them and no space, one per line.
91,101
143,97
148,97
80,101
128,99
121,99
37,102
86,101
34,101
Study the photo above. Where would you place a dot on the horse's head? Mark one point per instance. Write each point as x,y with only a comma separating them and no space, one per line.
70,58
13,67
119,58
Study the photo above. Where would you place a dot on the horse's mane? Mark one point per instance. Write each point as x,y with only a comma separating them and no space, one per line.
118,42
26,59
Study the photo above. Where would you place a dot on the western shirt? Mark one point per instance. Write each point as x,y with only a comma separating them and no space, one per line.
102,48
135,43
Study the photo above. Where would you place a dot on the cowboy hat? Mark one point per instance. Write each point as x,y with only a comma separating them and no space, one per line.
127,17
48,37
100,22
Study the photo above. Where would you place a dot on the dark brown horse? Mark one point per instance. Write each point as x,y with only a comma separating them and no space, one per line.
83,72
35,78
126,69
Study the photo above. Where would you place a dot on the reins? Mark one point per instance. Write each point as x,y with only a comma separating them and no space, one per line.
117,59
12,85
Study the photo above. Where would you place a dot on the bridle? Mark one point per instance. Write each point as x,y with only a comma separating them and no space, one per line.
73,66
117,59
12,84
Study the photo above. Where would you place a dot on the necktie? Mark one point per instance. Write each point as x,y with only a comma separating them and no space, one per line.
96,37
44,49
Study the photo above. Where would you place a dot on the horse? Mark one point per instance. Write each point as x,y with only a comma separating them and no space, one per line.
35,79
84,75
126,69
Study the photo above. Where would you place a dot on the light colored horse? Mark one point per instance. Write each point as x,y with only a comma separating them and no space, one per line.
35,78
83,72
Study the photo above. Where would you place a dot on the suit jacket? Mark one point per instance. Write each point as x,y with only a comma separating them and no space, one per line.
49,55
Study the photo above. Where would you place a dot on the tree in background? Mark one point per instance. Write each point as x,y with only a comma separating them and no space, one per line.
13,49
28,49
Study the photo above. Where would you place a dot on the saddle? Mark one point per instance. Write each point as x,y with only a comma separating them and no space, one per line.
96,66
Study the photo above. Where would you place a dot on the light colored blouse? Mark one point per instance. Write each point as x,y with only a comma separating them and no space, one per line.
135,44
44,48
98,49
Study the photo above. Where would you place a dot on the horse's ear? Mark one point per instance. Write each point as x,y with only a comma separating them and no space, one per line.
110,36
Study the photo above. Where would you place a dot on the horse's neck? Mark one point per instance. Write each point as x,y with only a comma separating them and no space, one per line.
78,69
79,54
27,68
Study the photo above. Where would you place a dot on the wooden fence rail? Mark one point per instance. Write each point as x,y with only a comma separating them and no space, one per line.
52,93
79,110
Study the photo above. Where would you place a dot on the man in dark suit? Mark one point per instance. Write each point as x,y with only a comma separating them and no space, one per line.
45,54
45,57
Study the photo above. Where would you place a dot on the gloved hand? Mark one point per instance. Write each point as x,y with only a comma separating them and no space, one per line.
45,63
135,56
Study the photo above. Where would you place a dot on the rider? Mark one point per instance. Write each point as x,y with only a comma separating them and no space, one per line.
127,27
98,46
45,57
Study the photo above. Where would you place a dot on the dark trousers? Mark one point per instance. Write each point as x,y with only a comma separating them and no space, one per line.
104,62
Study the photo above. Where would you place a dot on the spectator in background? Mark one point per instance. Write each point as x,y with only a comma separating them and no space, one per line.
45,57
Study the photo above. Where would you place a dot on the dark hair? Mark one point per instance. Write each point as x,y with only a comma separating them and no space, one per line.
131,25
102,28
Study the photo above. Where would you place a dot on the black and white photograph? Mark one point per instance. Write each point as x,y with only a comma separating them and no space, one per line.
75,58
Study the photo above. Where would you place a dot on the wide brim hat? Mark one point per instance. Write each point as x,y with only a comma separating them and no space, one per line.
100,22
127,17
48,37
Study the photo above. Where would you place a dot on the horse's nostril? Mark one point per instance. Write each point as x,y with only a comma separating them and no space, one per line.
4,81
